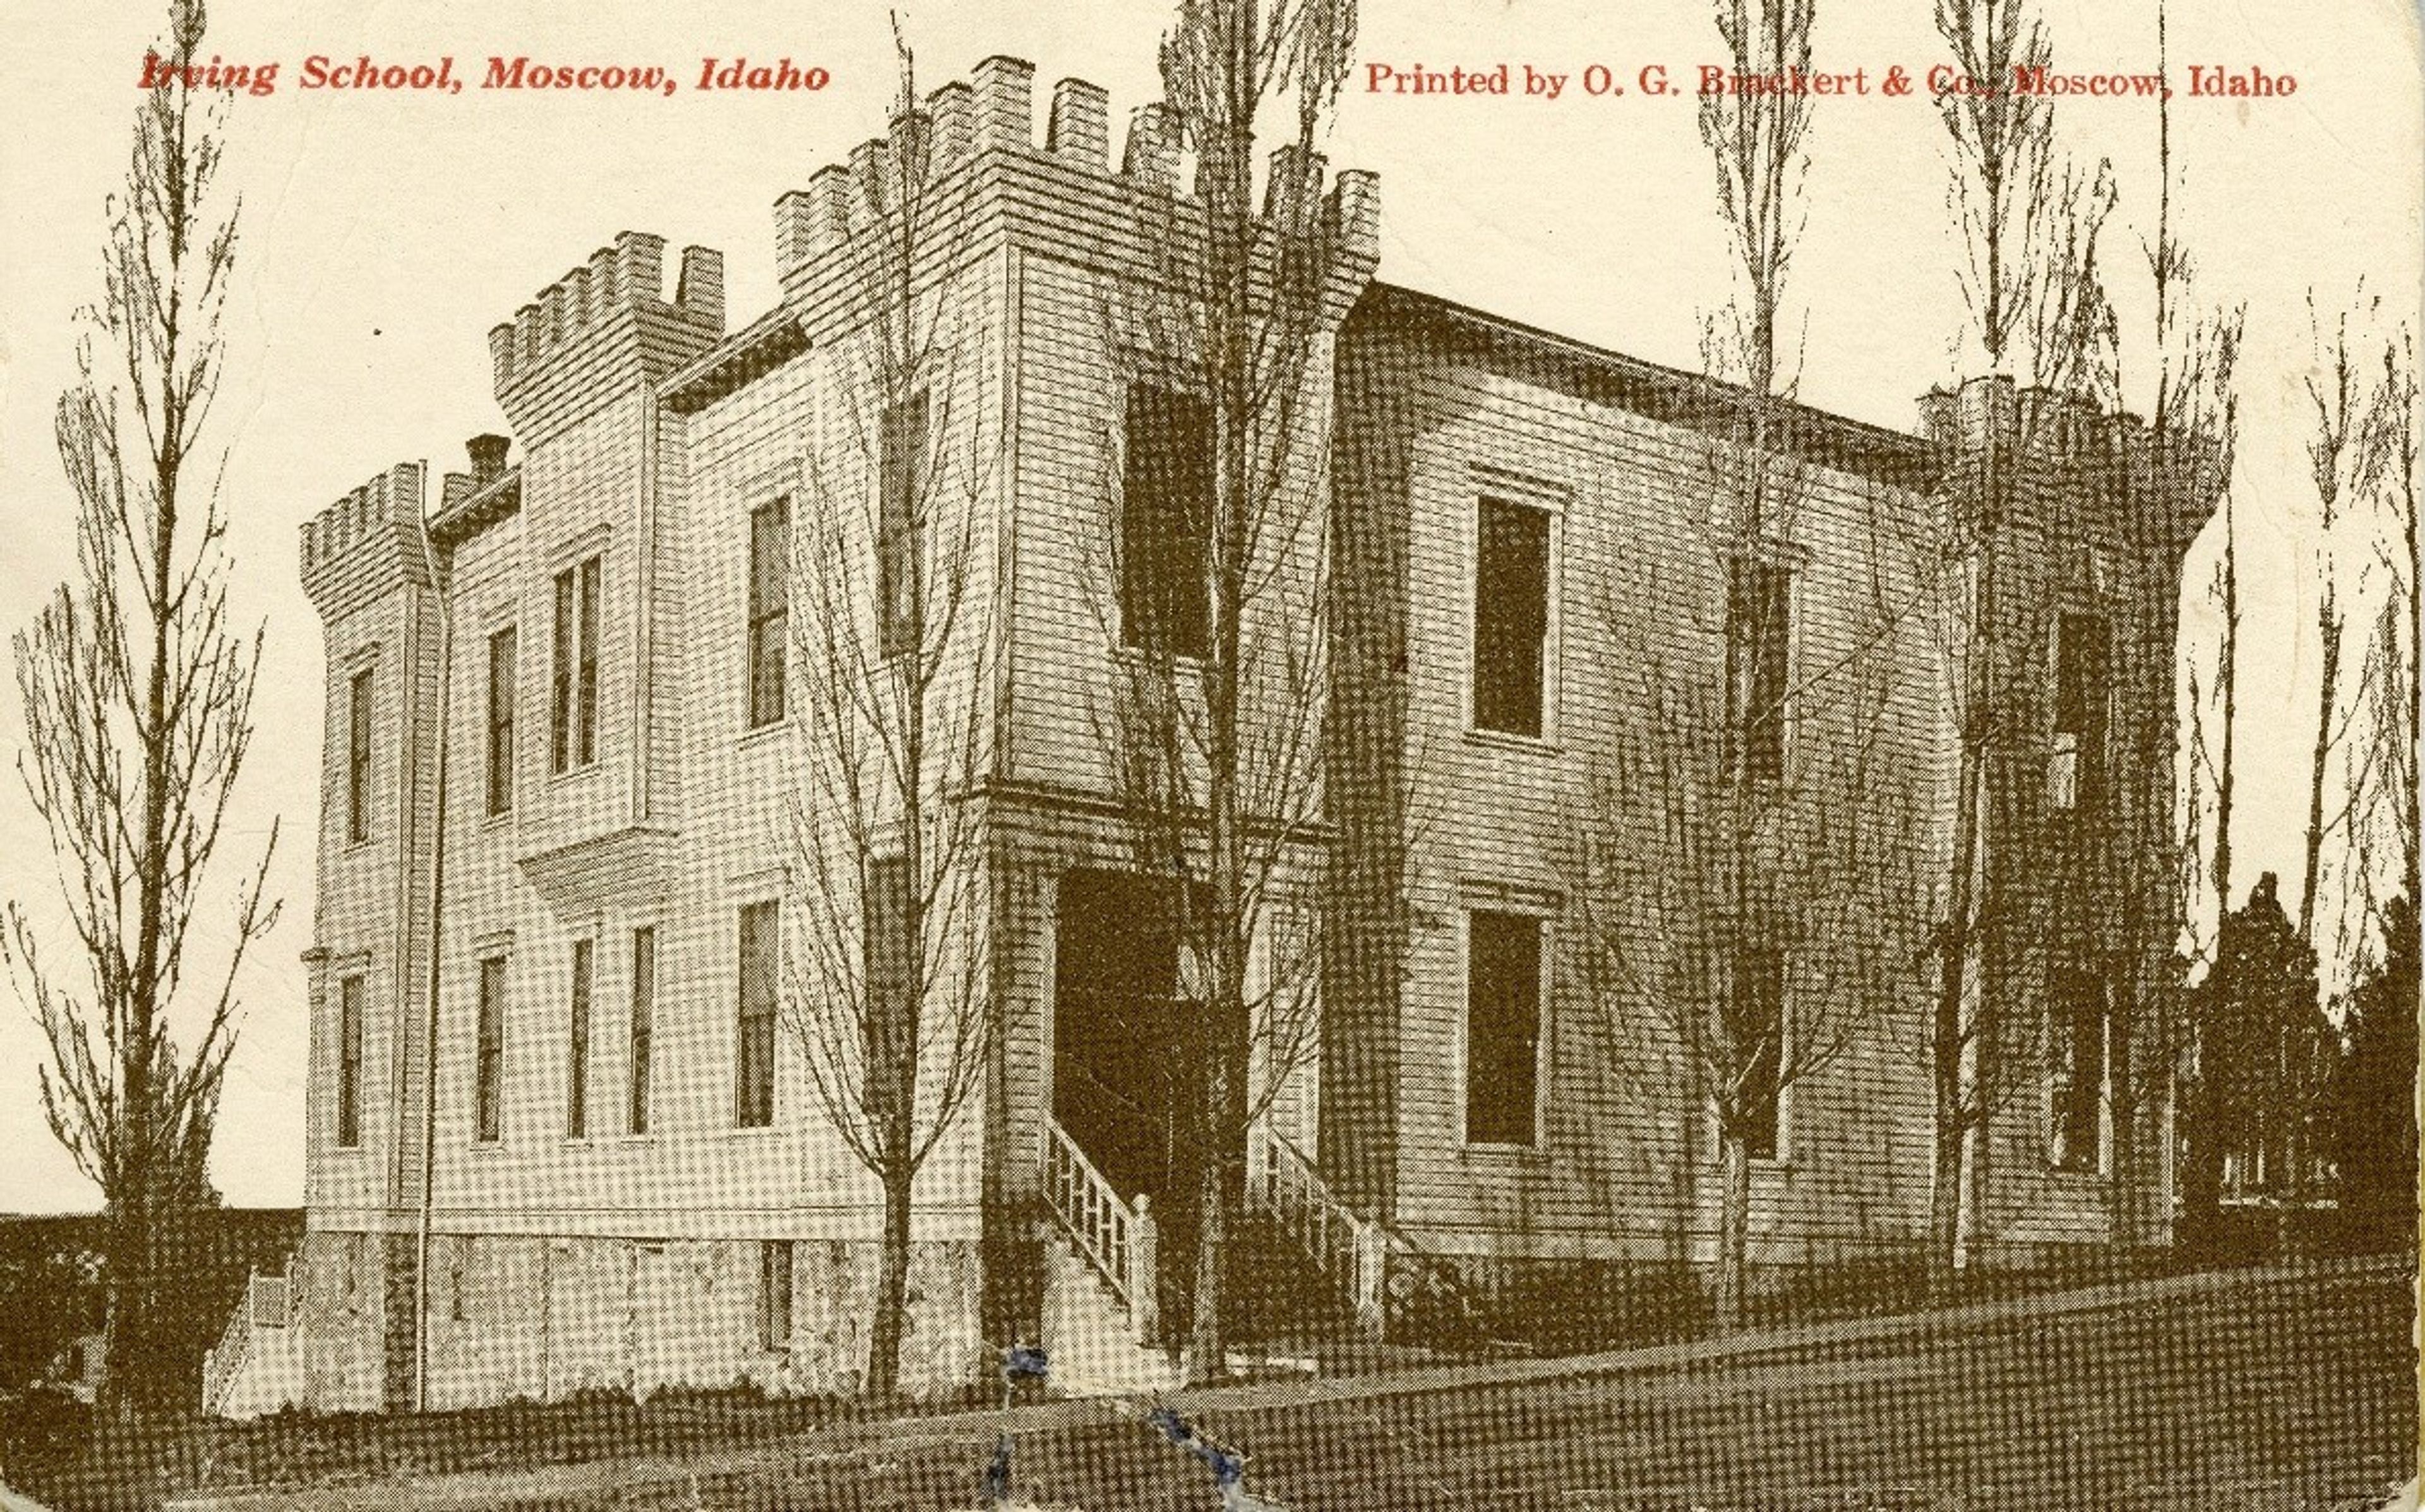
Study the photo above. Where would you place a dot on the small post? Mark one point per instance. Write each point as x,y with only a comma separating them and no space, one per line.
1371,1279
1145,1274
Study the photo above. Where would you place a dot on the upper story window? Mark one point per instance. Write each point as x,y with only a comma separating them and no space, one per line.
2075,763
770,609
349,1062
1167,506
358,757
1759,660
489,1062
498,766
1511,617
901,488
1502,1028
753,1099
572,691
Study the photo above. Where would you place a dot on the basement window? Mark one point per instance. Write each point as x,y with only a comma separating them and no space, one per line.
774,1294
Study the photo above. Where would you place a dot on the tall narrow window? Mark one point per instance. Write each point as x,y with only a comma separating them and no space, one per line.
349,1062
358,757
1167,506
586,744
1502,1028
891,1028
1756,1030
2074,765
2075,1014
774,1294
1760,609
901,497
576,1073
760,962
573,682
500,764
489,1067
1511,617
770,571
644,1013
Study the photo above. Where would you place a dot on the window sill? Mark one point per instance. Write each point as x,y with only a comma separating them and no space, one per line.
1501,1151
1137,656
502,819
761,734
2078,1176
487,1147
572,774
1510,740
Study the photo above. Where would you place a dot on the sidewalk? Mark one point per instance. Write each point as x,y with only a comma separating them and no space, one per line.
1339,1419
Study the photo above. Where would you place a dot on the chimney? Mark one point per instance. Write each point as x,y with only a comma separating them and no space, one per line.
487,458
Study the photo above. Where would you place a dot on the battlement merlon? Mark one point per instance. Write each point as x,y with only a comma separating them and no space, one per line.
601,328
369,543
2071,430
994,111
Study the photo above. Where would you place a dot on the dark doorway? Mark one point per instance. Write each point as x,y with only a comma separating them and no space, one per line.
1118,1047
1129,1052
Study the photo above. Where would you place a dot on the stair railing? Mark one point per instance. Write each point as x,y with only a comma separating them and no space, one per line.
1354,1251
1117,1240
267,1303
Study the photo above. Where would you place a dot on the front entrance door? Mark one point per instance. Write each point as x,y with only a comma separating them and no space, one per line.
1129,1055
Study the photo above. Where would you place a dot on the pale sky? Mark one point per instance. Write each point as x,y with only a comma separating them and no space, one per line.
384,233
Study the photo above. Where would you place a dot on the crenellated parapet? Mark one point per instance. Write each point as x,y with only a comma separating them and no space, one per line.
1103,205
2122,482
366,544
604,329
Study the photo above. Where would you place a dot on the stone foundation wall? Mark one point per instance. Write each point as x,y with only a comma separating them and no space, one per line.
515,1316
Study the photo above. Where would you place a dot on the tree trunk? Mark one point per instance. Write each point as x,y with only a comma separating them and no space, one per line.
891,1291
1734,1232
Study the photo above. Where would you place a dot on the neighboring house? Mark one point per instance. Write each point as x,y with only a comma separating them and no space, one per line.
559,1140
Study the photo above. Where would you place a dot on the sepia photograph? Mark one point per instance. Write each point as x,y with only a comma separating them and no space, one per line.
1237,754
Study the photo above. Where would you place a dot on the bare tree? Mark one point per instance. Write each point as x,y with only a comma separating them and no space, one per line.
137,697
2336,449
1744,901
1214,725
886,622
2031,226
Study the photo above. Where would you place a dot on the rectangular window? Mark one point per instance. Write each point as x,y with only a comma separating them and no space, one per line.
1511,617
890,1028
487,1075
576,1075
2076,1015
761,963
770,569
774,1294
1502,1028
644,1013
1756,1052
500,764
2075,765
349,1062
1167,506
358,757
901,498
1759,608
572,693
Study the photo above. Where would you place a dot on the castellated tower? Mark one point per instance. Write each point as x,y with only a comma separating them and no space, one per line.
2079,518
371,574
